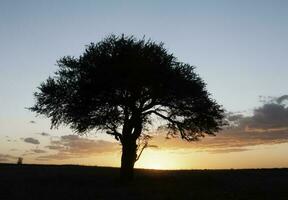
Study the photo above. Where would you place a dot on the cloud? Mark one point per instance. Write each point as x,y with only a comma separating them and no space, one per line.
76,144
267,125
70,138
269,116
6,157
31,140
10,140
230,140
73,146
281,99
229,150
43,134
38,151
13,149
54,147
272,115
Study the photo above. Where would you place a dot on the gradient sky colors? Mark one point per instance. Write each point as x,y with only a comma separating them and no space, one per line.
239,48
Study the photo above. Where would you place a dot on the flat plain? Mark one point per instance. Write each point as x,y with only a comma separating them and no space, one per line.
86,182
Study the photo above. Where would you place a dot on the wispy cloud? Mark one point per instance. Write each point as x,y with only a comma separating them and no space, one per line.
38,151
229,150
74,146
6,158
230,140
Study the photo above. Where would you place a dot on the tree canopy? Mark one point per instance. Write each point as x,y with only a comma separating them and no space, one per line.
119,83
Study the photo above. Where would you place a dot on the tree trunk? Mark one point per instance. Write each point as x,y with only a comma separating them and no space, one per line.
128,159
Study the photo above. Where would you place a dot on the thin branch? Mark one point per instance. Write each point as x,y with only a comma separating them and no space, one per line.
150,105
142,141
138,156
178,124
117,135
164,117
154,110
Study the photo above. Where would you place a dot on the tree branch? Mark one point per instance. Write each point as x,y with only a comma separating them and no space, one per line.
117,135
178,125
163,116
138,156
142,141
150,105
154,110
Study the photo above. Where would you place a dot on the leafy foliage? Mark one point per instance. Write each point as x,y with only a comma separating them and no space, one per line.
119,83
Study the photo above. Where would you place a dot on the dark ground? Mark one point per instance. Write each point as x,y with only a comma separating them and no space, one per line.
79,182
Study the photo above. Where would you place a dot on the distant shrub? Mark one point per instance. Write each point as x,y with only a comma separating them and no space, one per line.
20,161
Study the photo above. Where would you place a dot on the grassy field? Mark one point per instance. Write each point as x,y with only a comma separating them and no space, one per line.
79,182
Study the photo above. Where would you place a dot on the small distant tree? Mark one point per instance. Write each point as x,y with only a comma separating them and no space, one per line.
20,161
118,84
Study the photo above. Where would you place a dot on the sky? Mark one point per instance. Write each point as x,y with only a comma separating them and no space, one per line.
239,48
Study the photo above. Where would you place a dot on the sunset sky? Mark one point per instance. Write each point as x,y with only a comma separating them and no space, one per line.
239,48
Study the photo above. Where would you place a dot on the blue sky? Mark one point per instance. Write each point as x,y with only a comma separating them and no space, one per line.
239,47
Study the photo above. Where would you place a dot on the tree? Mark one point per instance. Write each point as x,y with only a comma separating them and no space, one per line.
118,84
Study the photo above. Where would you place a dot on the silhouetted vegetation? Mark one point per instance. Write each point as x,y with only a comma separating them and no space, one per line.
78,182
118,84
20,161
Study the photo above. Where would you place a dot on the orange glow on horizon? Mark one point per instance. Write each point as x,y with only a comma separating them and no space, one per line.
260,156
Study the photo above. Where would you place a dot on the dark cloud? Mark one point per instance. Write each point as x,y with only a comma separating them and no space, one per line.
268,125
43,134
31,140
269,116
282,99
272,116
73,146
71,138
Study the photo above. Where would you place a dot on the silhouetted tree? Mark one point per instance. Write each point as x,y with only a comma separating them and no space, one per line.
116,86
